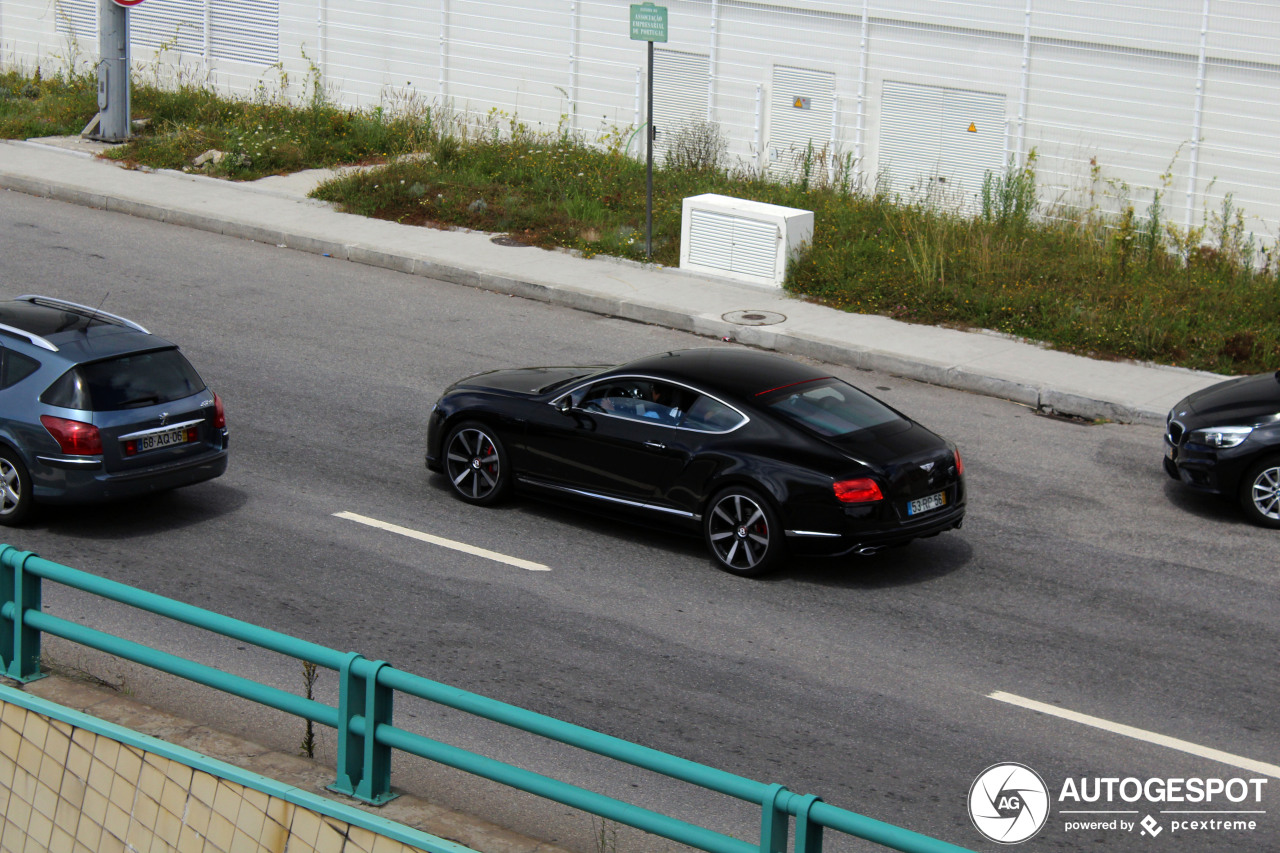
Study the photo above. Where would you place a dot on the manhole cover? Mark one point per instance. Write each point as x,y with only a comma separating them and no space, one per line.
753,318
504,240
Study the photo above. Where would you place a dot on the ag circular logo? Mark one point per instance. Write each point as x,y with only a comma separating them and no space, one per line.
1008,803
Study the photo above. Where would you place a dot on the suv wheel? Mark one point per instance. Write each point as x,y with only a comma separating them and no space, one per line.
15,489
1260,492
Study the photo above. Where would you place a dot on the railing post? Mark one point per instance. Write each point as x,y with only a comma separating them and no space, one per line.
19,645
364,765
808,833
773,820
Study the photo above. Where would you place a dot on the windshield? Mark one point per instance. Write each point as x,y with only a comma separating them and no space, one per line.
831,408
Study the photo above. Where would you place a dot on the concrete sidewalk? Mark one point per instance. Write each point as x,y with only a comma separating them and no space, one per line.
64,168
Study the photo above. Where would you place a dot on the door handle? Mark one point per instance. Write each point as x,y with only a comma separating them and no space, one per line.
656,445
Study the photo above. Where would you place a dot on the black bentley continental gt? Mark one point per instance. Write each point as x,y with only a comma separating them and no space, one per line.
764,455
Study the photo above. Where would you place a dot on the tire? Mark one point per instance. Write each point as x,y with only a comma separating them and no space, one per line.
476,464
1260,492
15,490
743,533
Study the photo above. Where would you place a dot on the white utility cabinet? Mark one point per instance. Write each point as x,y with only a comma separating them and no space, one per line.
746,240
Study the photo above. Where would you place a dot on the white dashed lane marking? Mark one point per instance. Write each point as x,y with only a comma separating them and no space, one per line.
444,543
1141,734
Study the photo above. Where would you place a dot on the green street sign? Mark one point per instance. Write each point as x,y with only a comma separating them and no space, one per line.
648,22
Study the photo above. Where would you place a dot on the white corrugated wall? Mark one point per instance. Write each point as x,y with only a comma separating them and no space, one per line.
1118,97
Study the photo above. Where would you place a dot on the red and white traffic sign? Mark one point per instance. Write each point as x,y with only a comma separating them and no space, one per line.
126,3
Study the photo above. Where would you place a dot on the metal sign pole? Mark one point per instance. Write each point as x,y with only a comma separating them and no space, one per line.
648,194
649,24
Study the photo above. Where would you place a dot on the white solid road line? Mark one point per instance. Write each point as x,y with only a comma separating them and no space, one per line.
444,543
1141,734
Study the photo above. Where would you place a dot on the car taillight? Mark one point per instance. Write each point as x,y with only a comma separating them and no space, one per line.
959,464
219,413
74,437
860,491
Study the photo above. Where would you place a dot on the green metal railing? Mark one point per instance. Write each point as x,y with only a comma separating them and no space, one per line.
366,735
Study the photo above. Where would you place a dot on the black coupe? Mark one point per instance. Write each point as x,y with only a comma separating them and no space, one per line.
765,455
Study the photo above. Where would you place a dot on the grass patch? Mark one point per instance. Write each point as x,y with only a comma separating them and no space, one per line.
1124,285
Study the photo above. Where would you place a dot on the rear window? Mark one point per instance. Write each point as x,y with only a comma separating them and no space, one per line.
831,408
128,382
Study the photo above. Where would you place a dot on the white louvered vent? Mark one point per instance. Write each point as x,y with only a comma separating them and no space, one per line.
78,19
801,106
245,31
679,95
169,25
745,240
939,143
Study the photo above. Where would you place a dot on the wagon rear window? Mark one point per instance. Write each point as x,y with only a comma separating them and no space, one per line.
128,382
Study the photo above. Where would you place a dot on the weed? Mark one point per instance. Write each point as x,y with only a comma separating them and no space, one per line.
310,674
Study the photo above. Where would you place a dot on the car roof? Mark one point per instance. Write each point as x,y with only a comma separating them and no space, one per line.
741,372
75,332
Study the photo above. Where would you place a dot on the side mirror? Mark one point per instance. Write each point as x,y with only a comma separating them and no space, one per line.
563,406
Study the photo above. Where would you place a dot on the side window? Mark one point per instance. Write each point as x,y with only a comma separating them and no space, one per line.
638,399
710,415
15,367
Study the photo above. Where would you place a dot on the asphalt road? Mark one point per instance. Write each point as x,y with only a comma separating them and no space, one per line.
1083,578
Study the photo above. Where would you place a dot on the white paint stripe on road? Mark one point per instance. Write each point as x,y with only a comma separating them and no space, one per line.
444,543
1141,734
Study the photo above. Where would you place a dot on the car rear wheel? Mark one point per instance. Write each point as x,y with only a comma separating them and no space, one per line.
1260,492
476,464
742,532
15,490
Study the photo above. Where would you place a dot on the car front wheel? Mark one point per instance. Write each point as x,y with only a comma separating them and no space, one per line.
742,532
15,490
1260,492
476,463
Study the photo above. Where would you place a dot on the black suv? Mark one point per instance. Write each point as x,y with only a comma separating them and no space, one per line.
1226,440
94,407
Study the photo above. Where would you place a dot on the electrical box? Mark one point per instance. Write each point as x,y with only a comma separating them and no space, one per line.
746,240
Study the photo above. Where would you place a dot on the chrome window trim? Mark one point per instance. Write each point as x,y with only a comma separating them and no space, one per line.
597,378
53,302
583,493
158,430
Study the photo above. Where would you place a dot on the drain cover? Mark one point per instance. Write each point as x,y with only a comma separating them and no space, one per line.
753,318
504,240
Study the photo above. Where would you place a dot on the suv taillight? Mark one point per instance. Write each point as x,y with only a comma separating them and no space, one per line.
74,437
219,413
959,465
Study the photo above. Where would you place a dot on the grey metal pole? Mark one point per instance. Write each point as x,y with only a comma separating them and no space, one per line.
648,195
112,122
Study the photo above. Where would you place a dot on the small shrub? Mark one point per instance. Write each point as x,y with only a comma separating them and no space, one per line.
698,146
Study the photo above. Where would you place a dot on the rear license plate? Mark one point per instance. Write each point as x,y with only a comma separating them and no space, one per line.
927,503
168,438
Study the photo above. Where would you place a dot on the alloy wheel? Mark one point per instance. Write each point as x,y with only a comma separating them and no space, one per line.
474,463
1265,492
739,531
